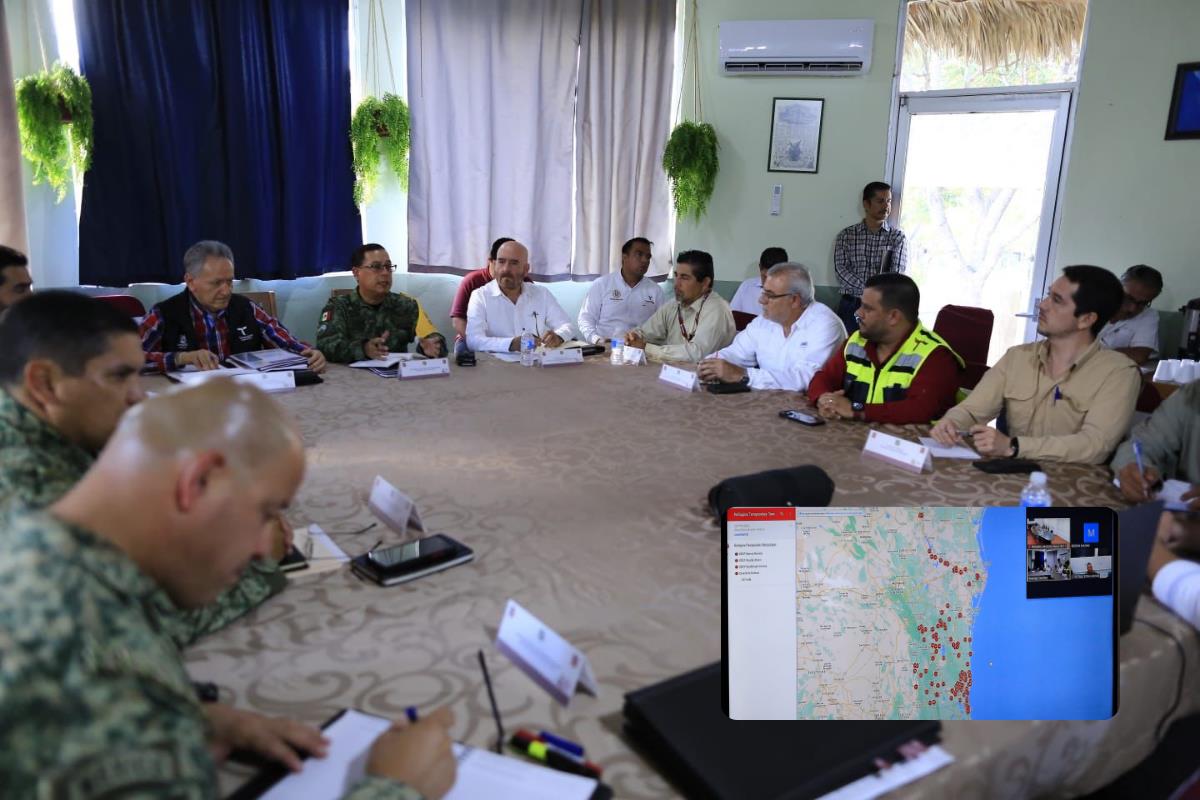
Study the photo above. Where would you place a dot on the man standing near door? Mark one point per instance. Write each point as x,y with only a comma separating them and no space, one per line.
867,248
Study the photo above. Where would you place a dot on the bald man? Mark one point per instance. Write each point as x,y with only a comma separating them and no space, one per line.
94,698
500,311
68,371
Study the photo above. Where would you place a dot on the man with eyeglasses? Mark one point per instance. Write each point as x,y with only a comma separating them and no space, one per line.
206,323
373,321
696,322
1065,398
893,369
745,299
1133,330
785,346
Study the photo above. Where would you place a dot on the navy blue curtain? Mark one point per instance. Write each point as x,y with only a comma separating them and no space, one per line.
216,119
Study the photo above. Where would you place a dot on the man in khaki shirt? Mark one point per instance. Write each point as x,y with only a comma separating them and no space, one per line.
697,323
1065,398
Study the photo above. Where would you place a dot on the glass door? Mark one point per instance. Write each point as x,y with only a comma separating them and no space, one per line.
977,178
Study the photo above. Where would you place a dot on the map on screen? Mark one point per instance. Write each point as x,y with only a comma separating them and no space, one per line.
920,613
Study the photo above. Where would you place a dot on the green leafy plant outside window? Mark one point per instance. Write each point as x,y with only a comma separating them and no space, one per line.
379,129
54,116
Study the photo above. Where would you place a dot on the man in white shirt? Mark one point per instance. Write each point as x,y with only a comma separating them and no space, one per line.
500,311
745,299
1133,330
620,301
783,348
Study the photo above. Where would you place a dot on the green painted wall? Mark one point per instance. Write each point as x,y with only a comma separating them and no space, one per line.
1130,195
853,148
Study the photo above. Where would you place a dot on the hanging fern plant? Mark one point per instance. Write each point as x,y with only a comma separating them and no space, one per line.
379,129
690,160
54,116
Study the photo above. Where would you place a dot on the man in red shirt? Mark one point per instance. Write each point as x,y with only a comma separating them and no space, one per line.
892,369
470,282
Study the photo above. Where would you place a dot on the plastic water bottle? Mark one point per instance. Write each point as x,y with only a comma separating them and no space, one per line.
1035,494
528,343
616,355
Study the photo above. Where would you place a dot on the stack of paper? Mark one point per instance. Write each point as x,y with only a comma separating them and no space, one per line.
270,382
270,360
386,367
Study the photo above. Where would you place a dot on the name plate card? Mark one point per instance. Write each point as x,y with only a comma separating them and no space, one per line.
393,507
557,358
900,453
679,378
424,368
548,659
633,355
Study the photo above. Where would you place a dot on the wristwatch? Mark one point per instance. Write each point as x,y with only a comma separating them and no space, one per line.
855,406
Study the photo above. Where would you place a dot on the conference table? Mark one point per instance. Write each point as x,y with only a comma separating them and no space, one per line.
582,490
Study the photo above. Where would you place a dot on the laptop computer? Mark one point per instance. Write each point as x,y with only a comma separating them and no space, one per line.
1138,527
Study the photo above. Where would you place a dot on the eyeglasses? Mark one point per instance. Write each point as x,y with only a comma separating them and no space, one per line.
1133,301
377,267
773,296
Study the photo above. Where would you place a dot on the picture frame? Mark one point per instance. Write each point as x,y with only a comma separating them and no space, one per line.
1183,118
795,134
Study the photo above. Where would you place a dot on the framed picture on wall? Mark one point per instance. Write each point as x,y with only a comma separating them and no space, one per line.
795,134
1183,120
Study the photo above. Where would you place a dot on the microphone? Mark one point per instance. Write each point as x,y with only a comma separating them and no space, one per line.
463,356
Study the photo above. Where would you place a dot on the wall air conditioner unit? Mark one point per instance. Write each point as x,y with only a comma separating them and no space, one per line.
796,46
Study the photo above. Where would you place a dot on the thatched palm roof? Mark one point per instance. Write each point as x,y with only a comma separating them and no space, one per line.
992,32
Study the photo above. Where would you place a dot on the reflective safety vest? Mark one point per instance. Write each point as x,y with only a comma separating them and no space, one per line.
866,383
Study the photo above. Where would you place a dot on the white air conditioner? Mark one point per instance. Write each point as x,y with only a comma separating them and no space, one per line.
796,46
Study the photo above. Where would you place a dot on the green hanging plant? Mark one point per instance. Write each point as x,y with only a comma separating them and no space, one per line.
54,116
691,163
379,128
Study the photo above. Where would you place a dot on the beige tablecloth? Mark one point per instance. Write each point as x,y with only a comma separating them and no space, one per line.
581,489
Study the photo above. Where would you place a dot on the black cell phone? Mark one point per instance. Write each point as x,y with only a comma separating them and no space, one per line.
803,417
721,387
294,560
410,560
1005,466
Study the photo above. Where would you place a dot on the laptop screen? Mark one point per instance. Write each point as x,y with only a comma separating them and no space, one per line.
920,613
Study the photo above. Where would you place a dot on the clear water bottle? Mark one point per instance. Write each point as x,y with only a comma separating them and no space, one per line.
1035,494
616,354
528,343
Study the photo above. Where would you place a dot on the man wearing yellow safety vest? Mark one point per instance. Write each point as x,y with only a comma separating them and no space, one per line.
892,369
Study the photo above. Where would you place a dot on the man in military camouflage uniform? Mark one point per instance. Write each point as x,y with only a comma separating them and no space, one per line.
94,698
68,371
373,321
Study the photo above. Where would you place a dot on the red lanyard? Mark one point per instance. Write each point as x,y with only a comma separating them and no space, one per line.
679,312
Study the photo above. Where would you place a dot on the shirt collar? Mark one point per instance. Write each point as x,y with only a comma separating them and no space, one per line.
104,560
1043,354
887,226
197,307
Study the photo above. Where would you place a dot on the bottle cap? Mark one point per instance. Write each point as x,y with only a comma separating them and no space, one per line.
1037,478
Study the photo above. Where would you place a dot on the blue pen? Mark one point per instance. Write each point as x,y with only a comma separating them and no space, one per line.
1137,454
1057,394
561,743
411,713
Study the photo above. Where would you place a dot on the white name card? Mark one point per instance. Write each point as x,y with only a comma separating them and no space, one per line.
271,382
550,660
898,452
424,368
679,378
558,358
393,507
633,355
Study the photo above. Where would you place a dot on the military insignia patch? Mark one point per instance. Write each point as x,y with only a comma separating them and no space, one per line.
328,315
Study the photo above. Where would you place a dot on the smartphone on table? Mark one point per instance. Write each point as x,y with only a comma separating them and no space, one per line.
803,417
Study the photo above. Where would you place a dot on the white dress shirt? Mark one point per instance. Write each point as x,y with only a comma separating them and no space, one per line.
775,361
612,308
1177,586
493,320
1140,330
745,299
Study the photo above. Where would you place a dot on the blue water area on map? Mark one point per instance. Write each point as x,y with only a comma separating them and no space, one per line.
1047,658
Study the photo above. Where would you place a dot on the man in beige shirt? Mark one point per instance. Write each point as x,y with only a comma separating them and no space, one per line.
696,323
1065,398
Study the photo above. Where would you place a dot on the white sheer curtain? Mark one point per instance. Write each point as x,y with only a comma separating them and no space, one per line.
625,69
492,93
12,199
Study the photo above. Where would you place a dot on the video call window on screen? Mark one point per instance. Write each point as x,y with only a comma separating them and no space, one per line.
919,613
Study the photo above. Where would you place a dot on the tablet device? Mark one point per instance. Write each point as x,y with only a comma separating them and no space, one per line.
408,561
920,613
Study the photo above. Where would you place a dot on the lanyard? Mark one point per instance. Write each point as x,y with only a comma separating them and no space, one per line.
683,330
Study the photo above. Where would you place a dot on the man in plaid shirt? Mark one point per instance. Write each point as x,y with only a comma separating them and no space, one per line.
206,323
866,249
